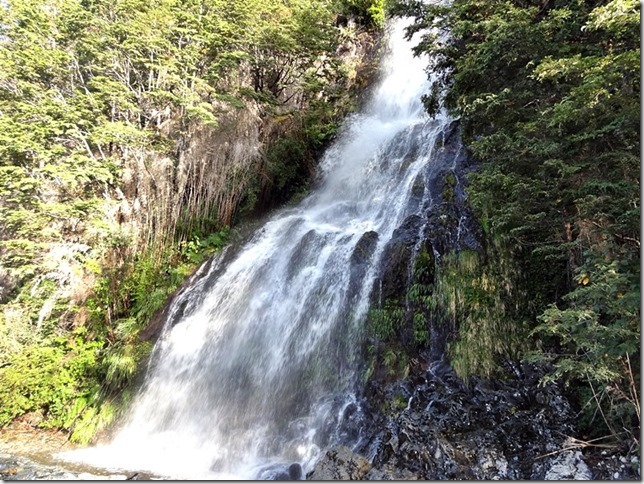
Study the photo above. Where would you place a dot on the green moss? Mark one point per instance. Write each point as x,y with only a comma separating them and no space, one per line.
421,330
384,323
399,402
478,301
449,184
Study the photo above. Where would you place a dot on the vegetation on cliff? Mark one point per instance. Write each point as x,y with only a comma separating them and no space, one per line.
548,97
132,136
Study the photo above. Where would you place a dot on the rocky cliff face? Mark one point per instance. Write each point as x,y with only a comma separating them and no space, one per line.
433,426
429,424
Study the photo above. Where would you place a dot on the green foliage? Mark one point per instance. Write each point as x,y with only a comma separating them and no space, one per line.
87,87
374,11
127,297
387,356
399,330
119,362
548,97
419,297
284,41
478,301
77,379
449,186
98,368
384,323
91,420
70,381
289,160
198,248
91,95
421,330
49,377
285,160
395,363
596,335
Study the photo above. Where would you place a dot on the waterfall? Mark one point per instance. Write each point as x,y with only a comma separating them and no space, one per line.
257,368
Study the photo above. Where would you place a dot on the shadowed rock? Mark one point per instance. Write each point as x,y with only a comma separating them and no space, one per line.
397,259
360,260
486,429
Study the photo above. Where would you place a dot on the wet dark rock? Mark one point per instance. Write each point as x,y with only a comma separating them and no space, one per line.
417,190
364,248
309,243
351,424
295,472
450,224
361,255
340,463
483,430
450,430
292,472
397,258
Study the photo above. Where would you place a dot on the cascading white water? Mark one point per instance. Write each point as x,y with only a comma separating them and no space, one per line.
258,367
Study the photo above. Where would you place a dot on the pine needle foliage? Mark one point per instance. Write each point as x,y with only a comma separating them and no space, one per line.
548,97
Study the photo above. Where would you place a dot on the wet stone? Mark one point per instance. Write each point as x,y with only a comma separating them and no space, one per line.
397,258
484,430
13,468
340,463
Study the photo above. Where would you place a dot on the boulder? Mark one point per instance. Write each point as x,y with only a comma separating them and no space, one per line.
292,472
340,463
568,465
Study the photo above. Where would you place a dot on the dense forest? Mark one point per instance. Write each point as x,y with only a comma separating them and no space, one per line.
548,96
133,135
